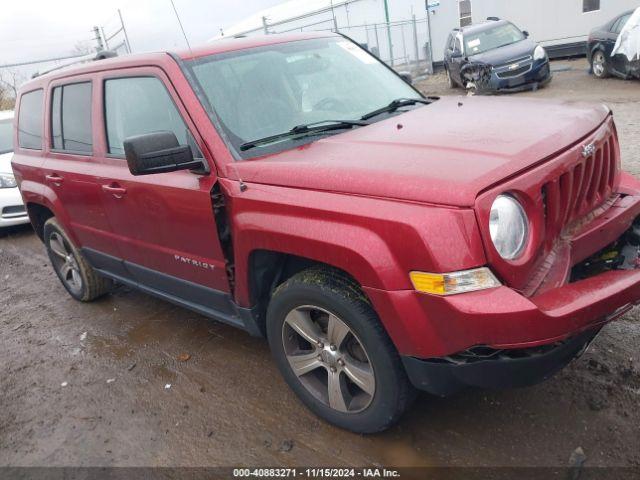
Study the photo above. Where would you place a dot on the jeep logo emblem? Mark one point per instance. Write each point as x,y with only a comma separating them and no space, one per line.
588,150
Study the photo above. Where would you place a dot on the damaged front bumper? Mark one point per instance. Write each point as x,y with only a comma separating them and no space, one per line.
501,338
538,76
495,368
484,78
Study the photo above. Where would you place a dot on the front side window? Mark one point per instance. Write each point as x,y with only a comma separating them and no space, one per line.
268,90
6,136
590,5
30,120
139,105
71,118
457,44
496,37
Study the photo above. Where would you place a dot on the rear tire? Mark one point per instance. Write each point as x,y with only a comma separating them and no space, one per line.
343,366
78,278
599,66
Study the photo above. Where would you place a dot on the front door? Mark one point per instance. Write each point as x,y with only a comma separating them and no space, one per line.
164,223
457,59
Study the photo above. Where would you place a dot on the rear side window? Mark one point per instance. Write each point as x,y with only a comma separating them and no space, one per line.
30,120
71,118
139,105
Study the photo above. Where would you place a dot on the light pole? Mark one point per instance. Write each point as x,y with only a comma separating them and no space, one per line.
386,15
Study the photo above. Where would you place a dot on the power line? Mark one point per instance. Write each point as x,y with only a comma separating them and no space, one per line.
44,60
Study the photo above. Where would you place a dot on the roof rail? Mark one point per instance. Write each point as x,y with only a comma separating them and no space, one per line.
493,19
102,55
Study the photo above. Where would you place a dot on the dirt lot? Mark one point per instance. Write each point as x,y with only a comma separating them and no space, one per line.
227,404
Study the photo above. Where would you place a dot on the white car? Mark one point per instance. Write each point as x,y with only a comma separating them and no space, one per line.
12,210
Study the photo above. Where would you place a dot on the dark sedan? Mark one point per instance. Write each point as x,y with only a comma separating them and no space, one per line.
600,45
505,56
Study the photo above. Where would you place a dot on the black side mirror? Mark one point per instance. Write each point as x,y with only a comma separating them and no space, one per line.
525,33
158,152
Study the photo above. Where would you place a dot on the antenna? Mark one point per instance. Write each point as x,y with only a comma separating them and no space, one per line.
180,23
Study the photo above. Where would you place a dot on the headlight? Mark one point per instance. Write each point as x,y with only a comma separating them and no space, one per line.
509,227
7,180
539,53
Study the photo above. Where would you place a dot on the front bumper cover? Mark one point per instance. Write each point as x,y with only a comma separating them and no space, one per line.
506,369
538,76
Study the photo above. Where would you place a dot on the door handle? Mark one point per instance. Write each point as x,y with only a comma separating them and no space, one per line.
115,190
54,178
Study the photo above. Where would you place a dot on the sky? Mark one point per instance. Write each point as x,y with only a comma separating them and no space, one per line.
35,29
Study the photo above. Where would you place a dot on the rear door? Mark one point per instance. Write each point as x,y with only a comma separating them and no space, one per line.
163,224
70,168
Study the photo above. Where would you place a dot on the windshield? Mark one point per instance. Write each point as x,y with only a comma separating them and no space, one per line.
6,136
269,90
491,38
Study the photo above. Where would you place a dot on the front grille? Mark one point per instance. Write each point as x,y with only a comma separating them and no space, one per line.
528,58
515,73
14,211
584,187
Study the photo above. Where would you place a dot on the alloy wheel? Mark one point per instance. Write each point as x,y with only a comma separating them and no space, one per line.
65,263
328,359
599,64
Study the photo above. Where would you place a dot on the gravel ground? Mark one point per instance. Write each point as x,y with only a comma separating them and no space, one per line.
103,384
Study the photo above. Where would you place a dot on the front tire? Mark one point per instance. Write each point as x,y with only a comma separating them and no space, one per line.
333,352
450,81
599,65
78,278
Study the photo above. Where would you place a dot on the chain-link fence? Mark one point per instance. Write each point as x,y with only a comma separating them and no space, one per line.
402,44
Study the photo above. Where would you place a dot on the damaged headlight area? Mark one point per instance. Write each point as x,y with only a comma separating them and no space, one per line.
7,180
623,254
476,77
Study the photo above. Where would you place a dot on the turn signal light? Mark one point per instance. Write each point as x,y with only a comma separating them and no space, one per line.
455,282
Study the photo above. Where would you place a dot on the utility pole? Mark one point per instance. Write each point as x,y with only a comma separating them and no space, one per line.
335,22
106,41
430,50
265,25
98,39
386,15
124,30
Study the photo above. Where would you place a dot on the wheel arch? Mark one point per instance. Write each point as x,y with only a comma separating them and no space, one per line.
268,269
39,214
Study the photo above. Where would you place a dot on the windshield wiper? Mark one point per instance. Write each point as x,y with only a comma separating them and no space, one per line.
396,104
304,130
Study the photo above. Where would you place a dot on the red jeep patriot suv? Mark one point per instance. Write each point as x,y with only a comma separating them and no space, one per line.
296,187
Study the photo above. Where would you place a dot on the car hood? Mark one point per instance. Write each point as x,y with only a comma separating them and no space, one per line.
506,54
444,153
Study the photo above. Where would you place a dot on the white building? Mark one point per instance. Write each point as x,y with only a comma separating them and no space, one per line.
562,25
